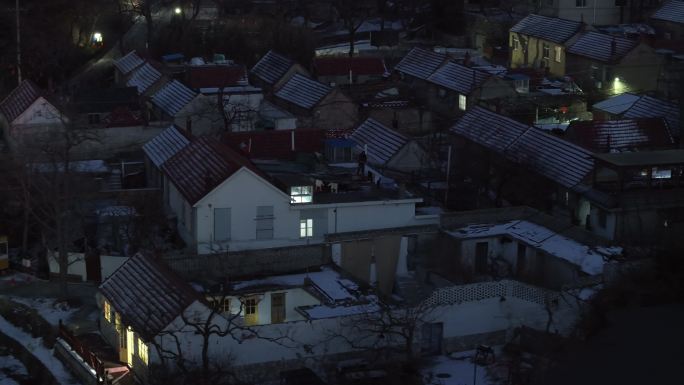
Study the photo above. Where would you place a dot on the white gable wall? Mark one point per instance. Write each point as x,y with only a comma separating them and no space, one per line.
40,112
242,193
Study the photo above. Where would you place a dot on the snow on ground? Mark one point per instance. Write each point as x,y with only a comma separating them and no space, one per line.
47,308
10,369
36,347
443,370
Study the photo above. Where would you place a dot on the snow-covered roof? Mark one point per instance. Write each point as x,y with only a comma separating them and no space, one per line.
382,142
602,47
173,97
128,62
147,294
672,11
143,77
547,28
649,107
420,63
327,282
458,78
272,67
165,145
617,104
548,155
303,91
589,260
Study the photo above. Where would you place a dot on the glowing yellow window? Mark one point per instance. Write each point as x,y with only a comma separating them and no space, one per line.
251,311
107,309
142,351
117,320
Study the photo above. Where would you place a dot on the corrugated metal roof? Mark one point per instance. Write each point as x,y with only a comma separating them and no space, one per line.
143,77
148,295
489,129
617,104
272,67
648,107
382,142
547,28
202,165
599,46
165,145
420,63
173,97
672,11
302,91
128,63
19,100
550,156
458,78
620,135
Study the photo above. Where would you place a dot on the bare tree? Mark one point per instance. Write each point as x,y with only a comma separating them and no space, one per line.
353,14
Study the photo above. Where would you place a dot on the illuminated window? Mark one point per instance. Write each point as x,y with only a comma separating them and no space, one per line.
301,194
117,320
142,351
661,173
546,51
515,42
558,51
107,309
251,311
306,228
462,102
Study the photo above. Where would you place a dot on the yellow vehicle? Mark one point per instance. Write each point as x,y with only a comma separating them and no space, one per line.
4,253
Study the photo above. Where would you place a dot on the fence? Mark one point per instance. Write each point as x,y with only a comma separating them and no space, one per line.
496,289
88,357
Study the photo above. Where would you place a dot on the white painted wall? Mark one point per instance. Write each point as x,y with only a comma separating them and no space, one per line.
596,12
294,298
77,265
242,193
40,112
371,215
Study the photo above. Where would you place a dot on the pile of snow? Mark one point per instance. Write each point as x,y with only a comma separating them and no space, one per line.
35,346
10,369
48,308
455,370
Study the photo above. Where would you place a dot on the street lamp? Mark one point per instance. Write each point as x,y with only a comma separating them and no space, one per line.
97,37
177,11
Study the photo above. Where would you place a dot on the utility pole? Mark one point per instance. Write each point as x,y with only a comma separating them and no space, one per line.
18,44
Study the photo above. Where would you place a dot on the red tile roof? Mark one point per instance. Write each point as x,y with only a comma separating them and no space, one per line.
340,66
275,144
202,165
19,100
620,135
147,294
214,76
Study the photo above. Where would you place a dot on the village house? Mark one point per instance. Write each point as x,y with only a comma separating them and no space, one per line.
633,106
594,12
177,104
109,107
389,149
540,42
669,19
315,104
28,116
416,67
626,197
211,188
456,87
345,70
612,64
147,79
124,67
273,70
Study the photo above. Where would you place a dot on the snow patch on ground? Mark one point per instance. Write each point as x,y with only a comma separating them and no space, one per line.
443,370
50,310
36,347
11,368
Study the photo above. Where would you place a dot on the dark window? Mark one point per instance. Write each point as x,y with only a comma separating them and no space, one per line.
277,307
602,218
221,224
580,3
481,252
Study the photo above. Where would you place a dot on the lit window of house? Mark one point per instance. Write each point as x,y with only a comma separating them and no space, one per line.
107,309
558,51
546,51
301,194
117,320
142,351
251,311
462,102
515,42
306,228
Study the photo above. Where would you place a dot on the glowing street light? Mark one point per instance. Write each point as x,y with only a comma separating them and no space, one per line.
177,11
97,37
619,86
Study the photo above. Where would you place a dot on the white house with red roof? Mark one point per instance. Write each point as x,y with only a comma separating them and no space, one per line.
26,113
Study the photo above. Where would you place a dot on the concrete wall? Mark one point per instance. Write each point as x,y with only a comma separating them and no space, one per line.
596,12
335,111
77,265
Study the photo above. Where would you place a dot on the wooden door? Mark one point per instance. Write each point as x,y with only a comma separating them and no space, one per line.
277,307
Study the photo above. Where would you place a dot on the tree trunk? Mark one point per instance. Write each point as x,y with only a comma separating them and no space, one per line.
352,41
